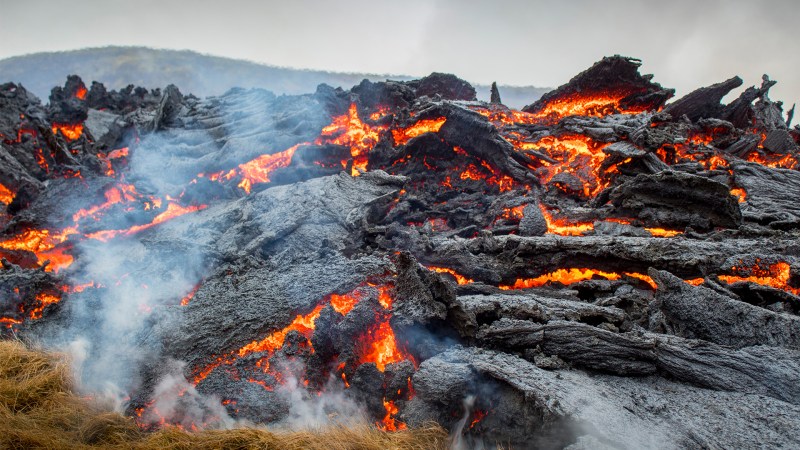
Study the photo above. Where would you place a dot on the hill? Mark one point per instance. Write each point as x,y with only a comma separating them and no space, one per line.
195,73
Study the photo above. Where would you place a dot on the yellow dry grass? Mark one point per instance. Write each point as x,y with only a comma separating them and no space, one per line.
40,409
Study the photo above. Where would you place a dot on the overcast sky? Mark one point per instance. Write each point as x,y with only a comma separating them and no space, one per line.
686,44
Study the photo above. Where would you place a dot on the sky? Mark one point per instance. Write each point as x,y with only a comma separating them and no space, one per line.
686,44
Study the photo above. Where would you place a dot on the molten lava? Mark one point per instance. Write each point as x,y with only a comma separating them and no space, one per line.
173,210
775,275
70,131
389,422
403,135
349,130
6,196
576,155
43,244
562,226
587,105
379,346
258,170
44,300
460,279
563,276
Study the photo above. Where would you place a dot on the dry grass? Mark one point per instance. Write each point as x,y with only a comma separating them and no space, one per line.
39,409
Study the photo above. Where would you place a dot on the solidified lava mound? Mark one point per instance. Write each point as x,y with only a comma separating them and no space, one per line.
602,268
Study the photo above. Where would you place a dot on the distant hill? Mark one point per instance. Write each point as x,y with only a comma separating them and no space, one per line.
192,72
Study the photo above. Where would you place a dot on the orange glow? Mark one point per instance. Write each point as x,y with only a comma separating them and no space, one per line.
775,275
344,303
113,195
380,347
6,196
258,170
563,227
304,324
70,131
695,281
185,300
574,153
44,300
587,105
389,422
775,161
740,194
563,276
661,232
350,131
80,94
477,416
642,277
403,135
43,244
460,279
173,210
9,322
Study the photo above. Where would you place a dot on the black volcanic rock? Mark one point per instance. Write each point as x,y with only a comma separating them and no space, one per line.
615,75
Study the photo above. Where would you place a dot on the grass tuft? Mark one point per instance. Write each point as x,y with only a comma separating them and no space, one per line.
39,408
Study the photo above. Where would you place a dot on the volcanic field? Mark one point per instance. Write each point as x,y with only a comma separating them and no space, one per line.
609,267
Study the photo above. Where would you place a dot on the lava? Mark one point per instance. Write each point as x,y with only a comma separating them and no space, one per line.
587,105
574,154
563,276
379,346
740,194
662,232
81,92
173,210
460,279
562,226
6,195
45,299
403,135
775,275
389,422
349,130
259,169
188,297
70,131
43,244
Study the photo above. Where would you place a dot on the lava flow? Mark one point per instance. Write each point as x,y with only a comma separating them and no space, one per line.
70,131
775,275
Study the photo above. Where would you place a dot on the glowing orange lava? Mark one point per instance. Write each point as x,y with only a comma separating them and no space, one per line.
661,232
70,131
740,194
259,169
563,276
44,300
185,300
403,135
43,244
352,132
173,210
460,279
776,275
380,347
587,105
562,226
389,422
6,196
81,92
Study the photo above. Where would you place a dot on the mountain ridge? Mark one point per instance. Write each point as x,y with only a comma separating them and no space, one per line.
196,73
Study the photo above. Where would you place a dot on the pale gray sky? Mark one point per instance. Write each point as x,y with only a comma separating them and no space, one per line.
685,43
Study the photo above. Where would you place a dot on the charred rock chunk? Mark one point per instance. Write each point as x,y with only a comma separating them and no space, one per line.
677,199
